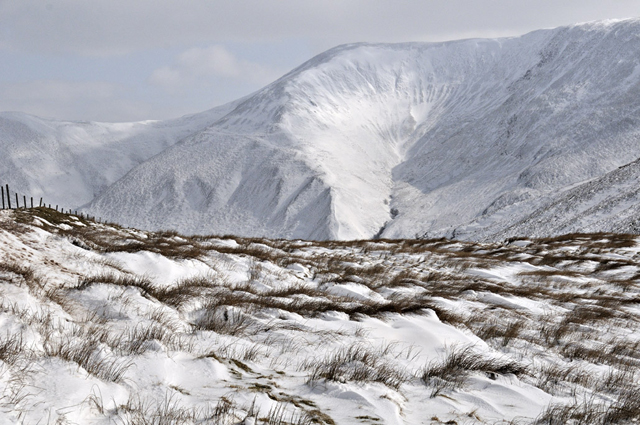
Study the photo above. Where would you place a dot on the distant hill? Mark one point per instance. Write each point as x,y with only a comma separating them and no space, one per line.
474,139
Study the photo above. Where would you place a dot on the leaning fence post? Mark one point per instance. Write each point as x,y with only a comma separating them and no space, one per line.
56,208
24,198
2,187
17,203
8,196
40,201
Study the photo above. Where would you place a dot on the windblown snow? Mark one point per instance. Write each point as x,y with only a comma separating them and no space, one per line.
476,139
103,325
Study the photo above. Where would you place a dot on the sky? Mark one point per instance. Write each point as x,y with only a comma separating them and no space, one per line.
117,60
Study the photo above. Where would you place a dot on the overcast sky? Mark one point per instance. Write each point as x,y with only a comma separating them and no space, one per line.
117,60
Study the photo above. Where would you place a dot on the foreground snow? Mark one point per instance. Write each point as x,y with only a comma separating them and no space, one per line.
100,324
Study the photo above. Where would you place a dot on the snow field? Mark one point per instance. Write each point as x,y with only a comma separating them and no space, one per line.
103,324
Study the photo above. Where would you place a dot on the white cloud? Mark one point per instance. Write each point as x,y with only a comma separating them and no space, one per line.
166,77
215,60
198,65
47,41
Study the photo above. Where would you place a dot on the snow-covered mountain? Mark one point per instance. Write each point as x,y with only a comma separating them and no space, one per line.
69,163
477,139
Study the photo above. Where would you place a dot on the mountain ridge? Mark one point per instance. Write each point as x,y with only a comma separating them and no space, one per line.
459,139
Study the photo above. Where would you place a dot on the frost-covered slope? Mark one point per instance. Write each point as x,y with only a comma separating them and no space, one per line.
460,138
103,325
608,203
69,163
570,118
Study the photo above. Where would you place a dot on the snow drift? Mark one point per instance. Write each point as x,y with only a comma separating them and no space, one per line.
100,325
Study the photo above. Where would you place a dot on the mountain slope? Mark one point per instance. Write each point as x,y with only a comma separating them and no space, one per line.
69,163
473,139
608,203
570,118
403,140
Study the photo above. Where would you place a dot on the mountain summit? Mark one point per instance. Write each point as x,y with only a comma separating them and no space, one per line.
475,139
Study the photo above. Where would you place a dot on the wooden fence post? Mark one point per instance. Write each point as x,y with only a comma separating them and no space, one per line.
40,201
24,198
32,202
8,196
17,203
56,208
2,187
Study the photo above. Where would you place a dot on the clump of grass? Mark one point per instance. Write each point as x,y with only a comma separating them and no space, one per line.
189,290
136,340
625,409
551,376
592,411
505,331
87,355
118,279
617,381
583,314
12,348
357,363
13,267
452,371
167,318
25,275
580,412
280,415
50,215
223,320
169,411
552,334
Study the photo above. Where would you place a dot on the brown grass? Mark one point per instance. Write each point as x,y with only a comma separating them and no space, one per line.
452,371
357,363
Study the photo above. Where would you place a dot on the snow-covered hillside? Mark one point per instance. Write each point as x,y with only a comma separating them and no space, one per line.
102,325
69,163
405,140
475,139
